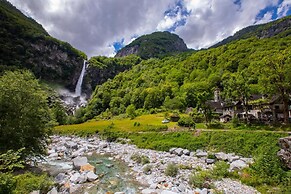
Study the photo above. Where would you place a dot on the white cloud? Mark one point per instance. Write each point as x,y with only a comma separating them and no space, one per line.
93,25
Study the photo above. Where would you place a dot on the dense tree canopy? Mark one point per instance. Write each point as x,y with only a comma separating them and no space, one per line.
237,69
25,116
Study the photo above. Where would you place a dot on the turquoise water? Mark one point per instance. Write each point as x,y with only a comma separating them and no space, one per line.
114,175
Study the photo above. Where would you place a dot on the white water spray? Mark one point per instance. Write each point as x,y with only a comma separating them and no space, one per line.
78,89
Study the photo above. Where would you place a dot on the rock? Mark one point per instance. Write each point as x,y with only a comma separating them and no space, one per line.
74,178
71,145
172,150
232,158
248,160
109,165
237,165
182,188
119,193
149,191
53,191
153,186
285,152
209,161
60,178
179,151
91,176
221,156
168,192
186,152
87,167
35,192
79,161
103,145
201,154
204,191
197,191
53,155
79,152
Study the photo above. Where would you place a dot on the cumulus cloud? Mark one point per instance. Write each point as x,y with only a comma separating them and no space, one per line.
94,26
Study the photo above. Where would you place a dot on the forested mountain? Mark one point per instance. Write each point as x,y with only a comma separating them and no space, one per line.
25,44
240,68
280,27
157,44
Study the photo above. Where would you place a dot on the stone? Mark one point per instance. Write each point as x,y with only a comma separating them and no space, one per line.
209,161
35,192
153,186
285,152
79,161
103,145
119,193
53,191
53,155
186,152
75,177
247,160
60,178
91,176
201,154
71,145
178,151
233,158
221,156
79,152
149,191
204,191
87,167
237,165
168,192
172,150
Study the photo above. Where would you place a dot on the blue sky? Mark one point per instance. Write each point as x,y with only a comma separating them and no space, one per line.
103,27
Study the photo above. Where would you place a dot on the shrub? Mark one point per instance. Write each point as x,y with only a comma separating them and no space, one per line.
11,160
140,158
7,183
186,122
28,182
171,170
144,160
201,179
220,170
147,169
215,125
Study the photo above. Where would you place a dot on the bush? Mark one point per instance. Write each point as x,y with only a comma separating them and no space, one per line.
186,122
7,183
147,169
25,115
156,128
140,158
11,160
201,179
171,170
220,170
215,125
28,182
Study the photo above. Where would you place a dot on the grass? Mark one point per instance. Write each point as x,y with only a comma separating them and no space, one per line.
139,124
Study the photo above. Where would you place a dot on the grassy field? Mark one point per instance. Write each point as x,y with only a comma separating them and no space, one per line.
152,122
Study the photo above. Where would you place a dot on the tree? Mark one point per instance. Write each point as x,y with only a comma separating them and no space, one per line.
275,78
25,116
130,111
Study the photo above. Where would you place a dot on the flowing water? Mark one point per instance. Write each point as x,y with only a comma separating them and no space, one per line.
78,89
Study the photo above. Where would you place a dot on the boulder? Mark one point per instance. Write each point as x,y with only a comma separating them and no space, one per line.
79,161
237,165
71,145
200,154
221,156
75,177
186,152
87,167
91,176
79,152
168,192
53,191
149,191
172,150
209,161
35,192
179,151
60,178
285,152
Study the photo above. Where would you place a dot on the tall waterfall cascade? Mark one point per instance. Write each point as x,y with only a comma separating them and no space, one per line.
78,89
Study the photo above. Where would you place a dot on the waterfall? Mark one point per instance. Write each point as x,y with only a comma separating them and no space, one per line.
78,88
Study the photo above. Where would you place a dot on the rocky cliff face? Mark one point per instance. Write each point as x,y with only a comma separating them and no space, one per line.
281,27
156,44
24,44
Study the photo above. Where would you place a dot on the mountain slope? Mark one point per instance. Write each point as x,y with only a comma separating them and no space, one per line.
281,27
152,45
183,80
25,44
